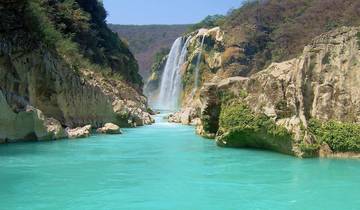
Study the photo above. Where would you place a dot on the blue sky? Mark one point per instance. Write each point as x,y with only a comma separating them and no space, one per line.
165,11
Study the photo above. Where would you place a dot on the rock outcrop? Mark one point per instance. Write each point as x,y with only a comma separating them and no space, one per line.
186,116
109,128
80,132
322,84
29,124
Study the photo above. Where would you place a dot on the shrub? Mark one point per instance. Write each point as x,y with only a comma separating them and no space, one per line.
341,137
210,21
238,115
310,150
240,127
38,21
77,31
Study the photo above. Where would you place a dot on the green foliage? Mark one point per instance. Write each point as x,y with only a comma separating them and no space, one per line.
341,137
210,21
240,127
77,31
159,56
238,115
228,96
358,39
44,29
39,22
225,97
310,149
243,93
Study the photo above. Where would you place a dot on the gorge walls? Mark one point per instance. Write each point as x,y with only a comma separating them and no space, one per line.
46,84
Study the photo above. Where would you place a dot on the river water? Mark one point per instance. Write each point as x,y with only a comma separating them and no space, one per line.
166,166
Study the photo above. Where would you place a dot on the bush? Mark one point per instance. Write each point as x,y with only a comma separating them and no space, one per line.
240,127
310,150
77,31
39,22
341,137
210,21
238,115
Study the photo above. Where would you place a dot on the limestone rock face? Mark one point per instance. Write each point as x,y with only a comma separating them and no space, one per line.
29,124
80,132
109,128
323,83
33,75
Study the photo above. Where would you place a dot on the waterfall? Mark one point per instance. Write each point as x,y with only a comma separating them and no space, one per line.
170,87
197,68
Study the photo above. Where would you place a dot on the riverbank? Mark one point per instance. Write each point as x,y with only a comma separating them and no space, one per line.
166,166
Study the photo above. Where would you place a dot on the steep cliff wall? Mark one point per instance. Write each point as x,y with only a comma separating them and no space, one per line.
72,92
314,97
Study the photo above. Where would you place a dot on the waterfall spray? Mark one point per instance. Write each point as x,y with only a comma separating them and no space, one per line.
170,87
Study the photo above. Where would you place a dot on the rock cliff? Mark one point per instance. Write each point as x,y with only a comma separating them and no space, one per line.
293,106
43,89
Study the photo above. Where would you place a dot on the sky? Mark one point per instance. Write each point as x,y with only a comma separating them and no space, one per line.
144,12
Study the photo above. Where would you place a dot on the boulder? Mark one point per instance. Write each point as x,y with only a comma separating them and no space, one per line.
195,122
27,124
185,116
133,113
174,118
109,128
53,130
80,132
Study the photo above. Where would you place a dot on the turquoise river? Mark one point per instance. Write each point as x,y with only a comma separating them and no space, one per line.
167,167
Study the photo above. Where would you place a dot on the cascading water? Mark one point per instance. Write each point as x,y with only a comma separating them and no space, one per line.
170,87
197,68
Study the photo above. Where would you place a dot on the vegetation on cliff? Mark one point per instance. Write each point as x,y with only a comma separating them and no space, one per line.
340,136
210,21
241,127
275,30
314,97
78,31
61,67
